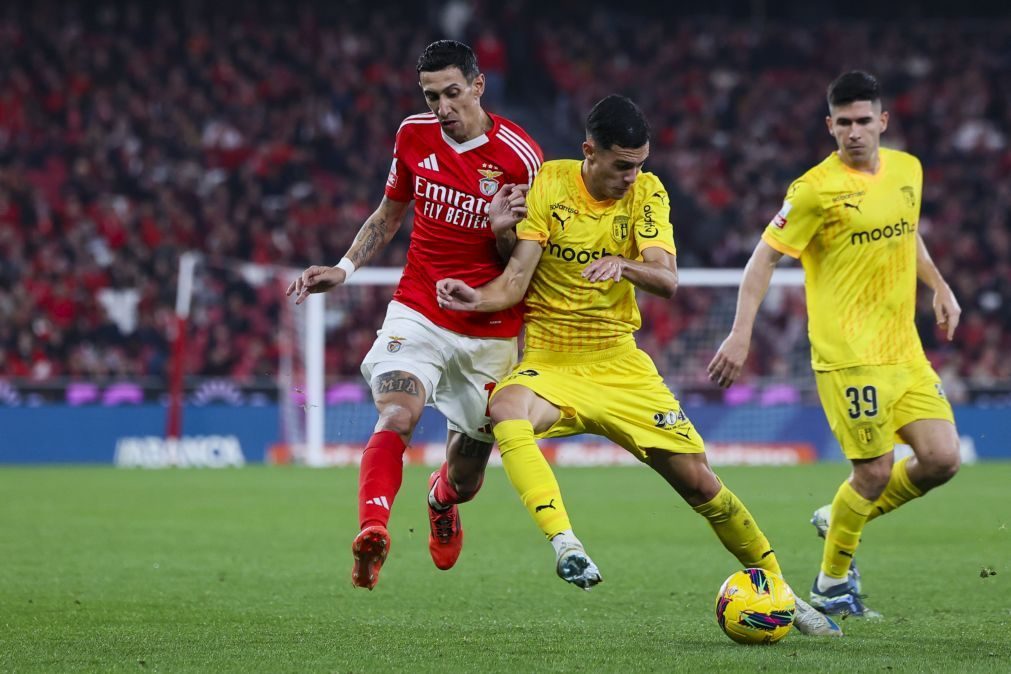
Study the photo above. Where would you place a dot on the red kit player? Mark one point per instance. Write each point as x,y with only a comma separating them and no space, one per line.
451,162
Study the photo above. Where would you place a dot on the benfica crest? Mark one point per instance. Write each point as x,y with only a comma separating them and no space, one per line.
395,344
489,183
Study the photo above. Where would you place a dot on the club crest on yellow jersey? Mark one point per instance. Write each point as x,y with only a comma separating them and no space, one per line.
865,433
909,194
619,228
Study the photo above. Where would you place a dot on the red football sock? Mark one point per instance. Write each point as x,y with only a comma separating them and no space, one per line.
444,492
379,478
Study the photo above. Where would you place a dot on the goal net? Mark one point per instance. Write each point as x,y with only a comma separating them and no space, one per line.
238,340
761,419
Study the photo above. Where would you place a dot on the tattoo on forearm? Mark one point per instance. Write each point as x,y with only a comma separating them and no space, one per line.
396,382
372,238
474,449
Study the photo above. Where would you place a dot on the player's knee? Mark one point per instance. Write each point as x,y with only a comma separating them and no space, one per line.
398,419
943,464
503,408
870,479
948,469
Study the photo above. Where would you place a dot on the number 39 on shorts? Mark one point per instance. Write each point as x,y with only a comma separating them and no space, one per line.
863,401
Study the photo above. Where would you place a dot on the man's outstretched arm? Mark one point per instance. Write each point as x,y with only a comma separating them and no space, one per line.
373,236
728,362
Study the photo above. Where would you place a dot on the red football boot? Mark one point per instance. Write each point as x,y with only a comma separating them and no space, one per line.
370,548
445,540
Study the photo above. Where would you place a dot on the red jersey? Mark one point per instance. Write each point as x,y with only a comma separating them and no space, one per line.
452,185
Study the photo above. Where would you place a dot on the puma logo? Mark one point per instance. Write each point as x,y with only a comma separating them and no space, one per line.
561,221
545,507
855,207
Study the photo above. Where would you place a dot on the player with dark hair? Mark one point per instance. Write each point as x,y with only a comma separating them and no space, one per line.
851,87
451,162
595,230
852,221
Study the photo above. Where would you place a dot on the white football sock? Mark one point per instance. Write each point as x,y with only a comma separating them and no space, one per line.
435,503
564,540
828,582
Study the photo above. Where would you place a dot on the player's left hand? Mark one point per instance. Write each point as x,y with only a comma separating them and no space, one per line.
608,267
456,295
946,310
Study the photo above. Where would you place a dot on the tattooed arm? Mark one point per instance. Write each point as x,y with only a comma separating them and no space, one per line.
377,231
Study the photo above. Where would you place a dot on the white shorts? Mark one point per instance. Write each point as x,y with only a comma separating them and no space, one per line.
457,371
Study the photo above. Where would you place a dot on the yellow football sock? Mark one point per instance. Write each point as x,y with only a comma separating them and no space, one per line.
900,489
531,476
849,514
738,531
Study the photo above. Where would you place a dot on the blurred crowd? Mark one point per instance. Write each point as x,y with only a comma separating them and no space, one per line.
738,113
263,134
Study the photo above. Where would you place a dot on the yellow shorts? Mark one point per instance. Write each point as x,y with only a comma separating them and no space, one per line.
616,393
868,404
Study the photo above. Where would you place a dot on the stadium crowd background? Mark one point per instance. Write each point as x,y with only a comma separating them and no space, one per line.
263,133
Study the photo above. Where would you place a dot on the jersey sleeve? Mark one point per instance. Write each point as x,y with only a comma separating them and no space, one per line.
797,222
651,218
918,194
535,162
537,225
399,183
528,154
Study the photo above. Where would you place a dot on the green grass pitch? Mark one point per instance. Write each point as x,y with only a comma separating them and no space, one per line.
249,570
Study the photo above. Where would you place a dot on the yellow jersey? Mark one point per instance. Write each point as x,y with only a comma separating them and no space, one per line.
565,312
855,234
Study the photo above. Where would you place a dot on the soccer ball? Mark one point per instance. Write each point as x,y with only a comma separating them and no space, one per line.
755,606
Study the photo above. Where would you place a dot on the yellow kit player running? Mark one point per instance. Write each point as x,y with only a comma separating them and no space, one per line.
594,231
852,221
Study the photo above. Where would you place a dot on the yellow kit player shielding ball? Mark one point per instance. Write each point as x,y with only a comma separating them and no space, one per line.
852,221
589,233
